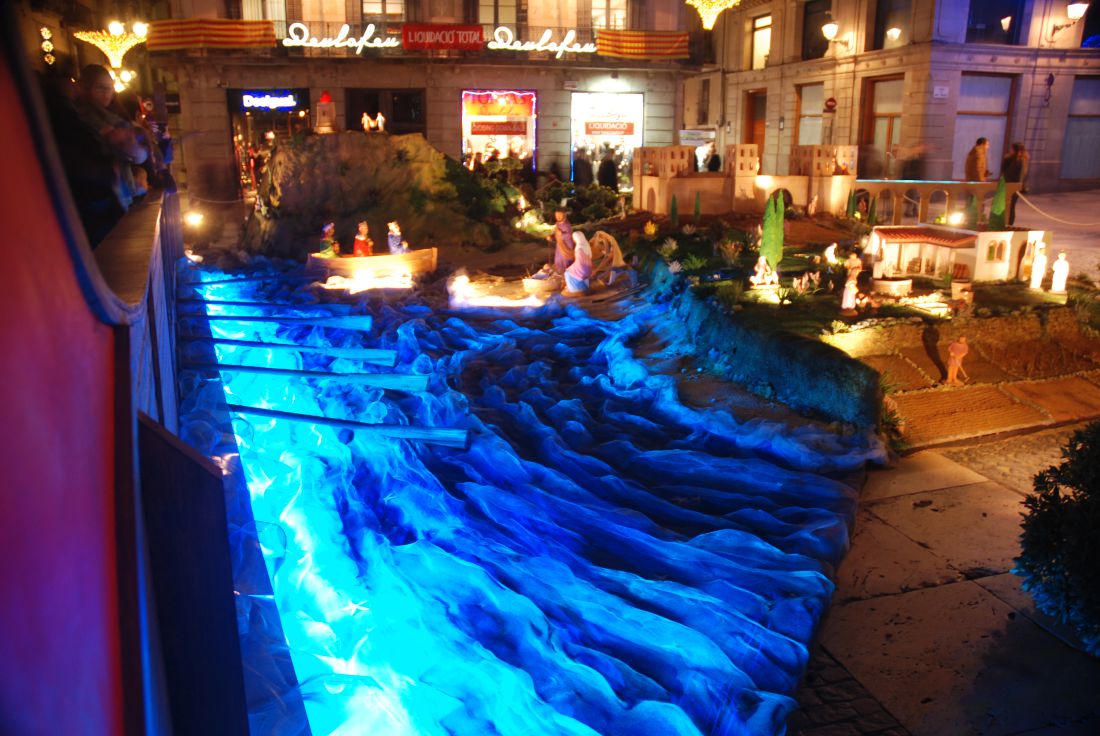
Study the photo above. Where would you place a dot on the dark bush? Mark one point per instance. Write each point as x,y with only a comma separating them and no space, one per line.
1060,544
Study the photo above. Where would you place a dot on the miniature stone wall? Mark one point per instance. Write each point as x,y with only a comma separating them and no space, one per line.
803,373
883,338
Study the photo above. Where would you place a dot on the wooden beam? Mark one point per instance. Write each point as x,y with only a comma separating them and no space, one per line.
331,306
433,435
391,381
375,356
361,322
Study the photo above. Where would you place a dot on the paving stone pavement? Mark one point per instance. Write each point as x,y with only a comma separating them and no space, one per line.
930,634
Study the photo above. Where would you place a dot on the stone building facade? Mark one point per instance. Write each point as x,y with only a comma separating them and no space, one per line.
913,83
426,91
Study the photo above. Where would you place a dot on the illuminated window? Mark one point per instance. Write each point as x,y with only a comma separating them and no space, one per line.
995,251
1080,154
609,13
811,106
383,10
497,12
761,41
273,10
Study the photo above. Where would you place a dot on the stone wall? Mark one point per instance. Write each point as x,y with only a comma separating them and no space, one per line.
803,373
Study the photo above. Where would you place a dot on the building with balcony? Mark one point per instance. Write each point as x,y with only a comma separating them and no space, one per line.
555,83
912,83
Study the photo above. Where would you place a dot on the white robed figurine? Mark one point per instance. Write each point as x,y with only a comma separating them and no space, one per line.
580,271
1060,274
1039,267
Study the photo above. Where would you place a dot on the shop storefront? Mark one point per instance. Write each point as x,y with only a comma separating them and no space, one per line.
498,124
259,117
402,109
606,123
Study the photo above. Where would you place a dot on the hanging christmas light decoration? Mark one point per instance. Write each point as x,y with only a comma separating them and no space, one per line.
47,45
709,10
114,43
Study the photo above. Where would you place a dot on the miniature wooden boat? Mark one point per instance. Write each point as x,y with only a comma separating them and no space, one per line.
421,260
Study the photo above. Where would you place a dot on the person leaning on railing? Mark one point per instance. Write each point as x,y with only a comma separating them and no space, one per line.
95,93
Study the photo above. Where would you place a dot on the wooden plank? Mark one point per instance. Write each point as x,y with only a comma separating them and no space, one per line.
375,356
182,501
432,435
389,381
335,307
360,322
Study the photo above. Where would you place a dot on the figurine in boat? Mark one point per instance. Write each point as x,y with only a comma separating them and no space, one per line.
329,248
394,240
579,272
364,246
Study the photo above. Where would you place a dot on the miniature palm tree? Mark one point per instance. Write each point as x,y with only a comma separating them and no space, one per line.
997,209
771,241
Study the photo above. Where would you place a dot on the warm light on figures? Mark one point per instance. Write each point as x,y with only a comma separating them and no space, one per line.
709,10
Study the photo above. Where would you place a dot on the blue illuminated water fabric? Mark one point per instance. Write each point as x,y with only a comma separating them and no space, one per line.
601,559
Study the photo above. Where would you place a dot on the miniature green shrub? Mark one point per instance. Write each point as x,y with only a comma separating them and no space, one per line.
674,213
1060,547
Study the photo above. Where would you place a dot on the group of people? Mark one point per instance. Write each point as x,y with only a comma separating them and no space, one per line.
112,154
607,173
1013,169
363,245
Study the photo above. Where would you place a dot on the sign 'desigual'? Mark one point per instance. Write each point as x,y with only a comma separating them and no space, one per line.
297,34
421,36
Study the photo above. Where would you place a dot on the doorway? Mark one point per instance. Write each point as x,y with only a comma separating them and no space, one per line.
756,116
881,127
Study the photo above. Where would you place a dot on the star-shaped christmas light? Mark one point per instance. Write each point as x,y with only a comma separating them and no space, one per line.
709,10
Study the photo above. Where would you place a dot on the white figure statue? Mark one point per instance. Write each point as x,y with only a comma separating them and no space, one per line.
1039,267
848,300
763,275
1060,272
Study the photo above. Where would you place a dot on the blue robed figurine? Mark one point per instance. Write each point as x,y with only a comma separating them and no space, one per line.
393,239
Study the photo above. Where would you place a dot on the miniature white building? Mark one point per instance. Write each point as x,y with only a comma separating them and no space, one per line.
937,251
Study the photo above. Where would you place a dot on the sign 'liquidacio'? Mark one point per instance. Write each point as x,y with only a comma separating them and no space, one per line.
423,36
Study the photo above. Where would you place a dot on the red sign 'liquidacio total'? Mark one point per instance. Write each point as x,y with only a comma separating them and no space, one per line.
423,36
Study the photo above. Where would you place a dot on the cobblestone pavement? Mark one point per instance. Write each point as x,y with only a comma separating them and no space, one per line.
833,703
1014,462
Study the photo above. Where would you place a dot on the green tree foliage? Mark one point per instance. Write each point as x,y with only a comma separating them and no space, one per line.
771,243
853,204
872,212
674,213
1060,544
997,209
698,206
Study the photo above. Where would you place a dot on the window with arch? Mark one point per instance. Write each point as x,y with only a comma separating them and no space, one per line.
995,252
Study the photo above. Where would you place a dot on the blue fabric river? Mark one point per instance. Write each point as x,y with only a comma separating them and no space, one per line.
601,559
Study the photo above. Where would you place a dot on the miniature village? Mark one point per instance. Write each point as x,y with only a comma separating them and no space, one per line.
923,282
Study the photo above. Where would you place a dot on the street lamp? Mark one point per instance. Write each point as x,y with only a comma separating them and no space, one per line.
1074,13
829,30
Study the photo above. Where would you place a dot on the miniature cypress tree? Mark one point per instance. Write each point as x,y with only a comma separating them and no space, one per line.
872,212
852,204
698,206
997,209
771,239
674,213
